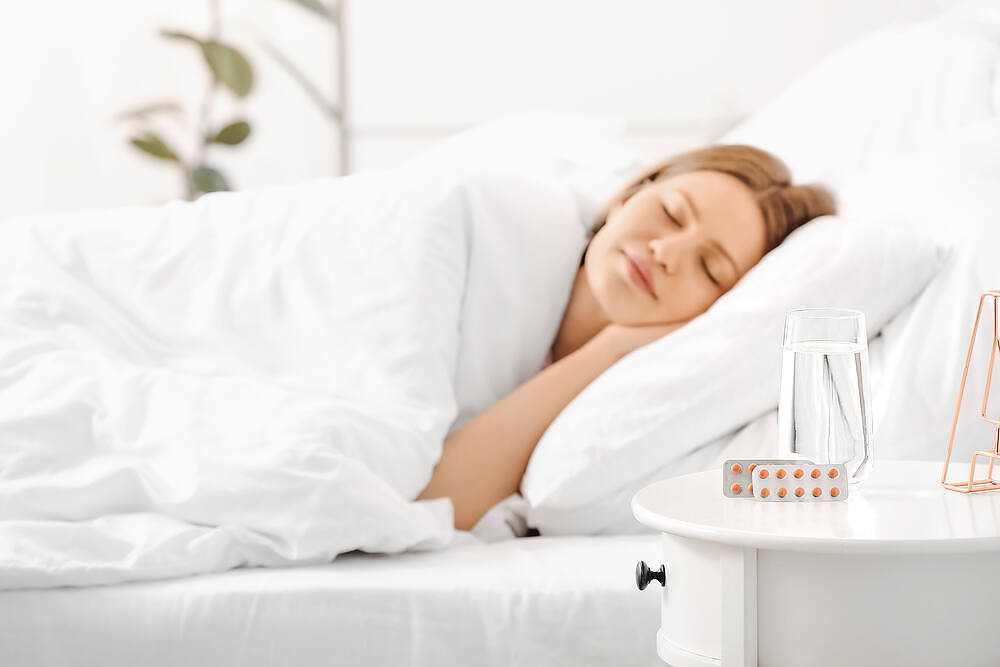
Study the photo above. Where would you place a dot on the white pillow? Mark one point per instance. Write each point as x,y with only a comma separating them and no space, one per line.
721,370
885,94
951,191
612,514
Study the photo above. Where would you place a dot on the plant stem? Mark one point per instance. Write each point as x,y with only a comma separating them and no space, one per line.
335,111
343,149
205,116
189,190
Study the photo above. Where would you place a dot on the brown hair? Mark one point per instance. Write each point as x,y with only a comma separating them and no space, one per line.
783,205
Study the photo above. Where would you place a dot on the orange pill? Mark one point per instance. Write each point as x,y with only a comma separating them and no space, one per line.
816,473
737,468
750,489
764,493
817,492
833,473
781,473
752,466
799,492
798,473
736,488
834,492
763,474
782,492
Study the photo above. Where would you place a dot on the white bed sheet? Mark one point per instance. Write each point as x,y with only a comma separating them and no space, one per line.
531,601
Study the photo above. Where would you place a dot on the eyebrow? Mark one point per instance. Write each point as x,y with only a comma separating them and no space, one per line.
715,242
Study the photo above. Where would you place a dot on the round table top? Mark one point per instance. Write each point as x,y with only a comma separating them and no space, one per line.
900,508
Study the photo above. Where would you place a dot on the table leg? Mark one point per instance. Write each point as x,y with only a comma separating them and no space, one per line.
739,606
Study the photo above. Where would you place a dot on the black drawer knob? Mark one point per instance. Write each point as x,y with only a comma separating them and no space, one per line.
644,575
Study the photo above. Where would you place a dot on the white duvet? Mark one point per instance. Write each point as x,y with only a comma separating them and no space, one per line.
263,378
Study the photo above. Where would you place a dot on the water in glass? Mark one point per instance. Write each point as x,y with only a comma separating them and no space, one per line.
824,410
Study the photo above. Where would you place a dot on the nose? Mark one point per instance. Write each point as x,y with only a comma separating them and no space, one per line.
670,250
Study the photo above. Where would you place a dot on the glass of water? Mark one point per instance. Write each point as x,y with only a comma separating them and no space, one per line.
824,409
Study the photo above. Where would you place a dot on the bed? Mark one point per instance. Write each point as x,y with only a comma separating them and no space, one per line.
538,600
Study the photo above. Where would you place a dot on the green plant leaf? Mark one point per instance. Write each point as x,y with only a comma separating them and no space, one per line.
165,106
229,67
177,34
232,134
316,7
208,179
152,144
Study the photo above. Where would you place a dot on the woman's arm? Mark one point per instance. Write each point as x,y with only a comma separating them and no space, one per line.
483,461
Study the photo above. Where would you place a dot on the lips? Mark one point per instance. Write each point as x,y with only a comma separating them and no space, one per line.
640,273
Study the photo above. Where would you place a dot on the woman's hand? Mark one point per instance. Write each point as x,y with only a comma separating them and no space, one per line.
622,339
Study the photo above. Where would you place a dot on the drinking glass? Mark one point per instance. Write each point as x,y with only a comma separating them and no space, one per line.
824,408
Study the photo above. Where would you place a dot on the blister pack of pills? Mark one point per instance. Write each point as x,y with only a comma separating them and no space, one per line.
800,481
784,480
736,475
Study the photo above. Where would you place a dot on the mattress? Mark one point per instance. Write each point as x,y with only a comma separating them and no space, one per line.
528,601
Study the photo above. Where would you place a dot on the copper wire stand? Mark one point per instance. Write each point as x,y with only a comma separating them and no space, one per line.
973,485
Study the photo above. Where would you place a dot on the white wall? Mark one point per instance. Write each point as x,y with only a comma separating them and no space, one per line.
681,71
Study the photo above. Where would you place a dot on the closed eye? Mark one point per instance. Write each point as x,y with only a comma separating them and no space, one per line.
669,216
708,273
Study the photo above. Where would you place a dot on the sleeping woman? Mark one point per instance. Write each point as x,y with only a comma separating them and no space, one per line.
664,249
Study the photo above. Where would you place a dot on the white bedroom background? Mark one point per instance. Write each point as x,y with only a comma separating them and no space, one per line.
681,72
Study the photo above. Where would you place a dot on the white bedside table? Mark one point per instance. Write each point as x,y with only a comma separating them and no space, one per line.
902,573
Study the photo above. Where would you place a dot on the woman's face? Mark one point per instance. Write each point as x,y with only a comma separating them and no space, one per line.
671,249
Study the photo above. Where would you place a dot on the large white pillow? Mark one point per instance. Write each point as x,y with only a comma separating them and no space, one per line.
883,95
950,190
721,370
612,514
